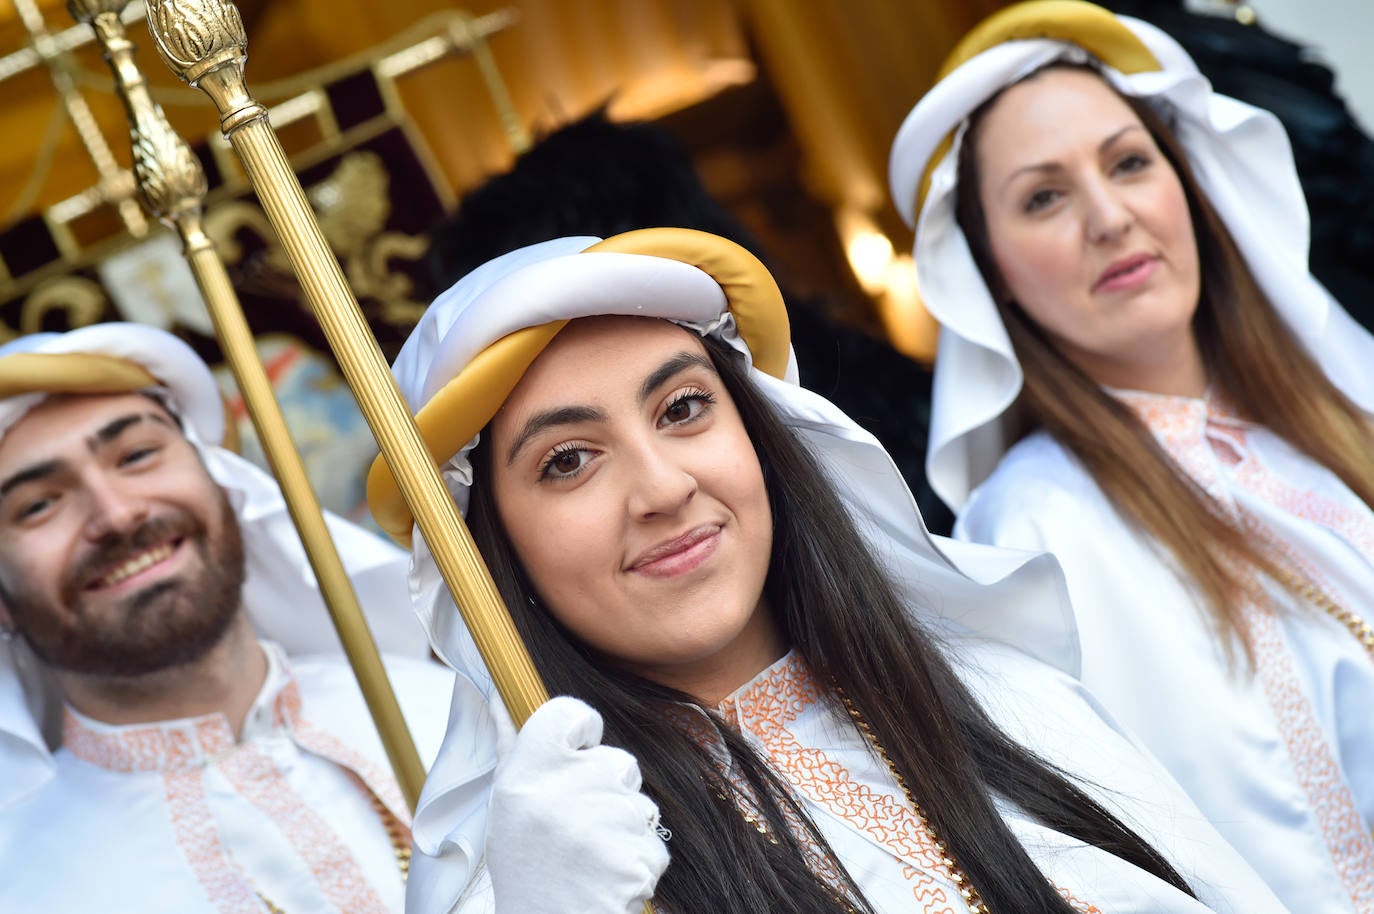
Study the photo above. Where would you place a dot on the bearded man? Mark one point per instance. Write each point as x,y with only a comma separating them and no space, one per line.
178,730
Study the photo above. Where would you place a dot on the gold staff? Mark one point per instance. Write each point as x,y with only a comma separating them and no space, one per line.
204,43
172,184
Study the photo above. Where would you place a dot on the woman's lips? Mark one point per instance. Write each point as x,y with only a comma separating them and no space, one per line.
679,555
1127,273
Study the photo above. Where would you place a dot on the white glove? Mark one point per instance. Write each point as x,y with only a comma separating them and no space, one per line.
568,829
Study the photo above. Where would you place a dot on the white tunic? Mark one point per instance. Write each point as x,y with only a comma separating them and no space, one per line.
852,797
181,817
1281,757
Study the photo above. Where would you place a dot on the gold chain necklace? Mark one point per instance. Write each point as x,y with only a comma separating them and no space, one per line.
955,873
400,846
1301,584
1304,587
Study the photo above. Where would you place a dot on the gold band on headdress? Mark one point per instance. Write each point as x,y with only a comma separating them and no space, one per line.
1090,27
58,373
70,373
458,411
468,401
749,288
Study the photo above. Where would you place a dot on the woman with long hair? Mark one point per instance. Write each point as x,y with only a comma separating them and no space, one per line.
732,578
1138,374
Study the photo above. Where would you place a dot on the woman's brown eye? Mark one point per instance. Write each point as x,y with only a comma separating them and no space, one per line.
567,462
679,411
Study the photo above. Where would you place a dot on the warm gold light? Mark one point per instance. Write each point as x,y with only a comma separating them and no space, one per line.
890,279
909,325
869,251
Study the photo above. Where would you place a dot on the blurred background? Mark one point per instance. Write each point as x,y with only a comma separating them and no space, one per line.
394,112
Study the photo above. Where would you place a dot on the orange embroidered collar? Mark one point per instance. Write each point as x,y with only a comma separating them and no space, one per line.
188,742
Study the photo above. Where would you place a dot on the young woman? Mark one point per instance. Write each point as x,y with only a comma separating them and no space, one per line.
1138,374
732,574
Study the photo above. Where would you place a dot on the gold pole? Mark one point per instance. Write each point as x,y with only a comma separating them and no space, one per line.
173,186
204,43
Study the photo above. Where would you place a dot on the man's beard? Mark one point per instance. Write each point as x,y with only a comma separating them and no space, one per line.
164,625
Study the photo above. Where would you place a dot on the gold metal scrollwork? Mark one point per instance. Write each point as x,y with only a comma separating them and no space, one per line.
393,290
353,206
83,299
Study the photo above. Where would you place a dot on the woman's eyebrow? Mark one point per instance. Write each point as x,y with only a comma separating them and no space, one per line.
559,415
568,415
1051,167
1107,143
673,366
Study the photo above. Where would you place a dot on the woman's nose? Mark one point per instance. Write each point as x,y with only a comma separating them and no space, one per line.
1108,216
660,485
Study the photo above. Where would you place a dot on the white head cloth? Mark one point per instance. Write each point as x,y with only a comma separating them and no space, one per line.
1243,162
280,594
949,583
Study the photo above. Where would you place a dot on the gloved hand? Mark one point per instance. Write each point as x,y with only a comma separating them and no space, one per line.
568,829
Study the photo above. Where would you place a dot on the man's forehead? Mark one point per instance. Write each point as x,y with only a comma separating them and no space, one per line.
74,416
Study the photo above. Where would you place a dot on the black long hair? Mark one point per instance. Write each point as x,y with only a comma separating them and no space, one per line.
836,608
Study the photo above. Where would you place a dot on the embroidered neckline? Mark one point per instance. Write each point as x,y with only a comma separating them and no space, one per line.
767,705
173,745
787,679
1172,413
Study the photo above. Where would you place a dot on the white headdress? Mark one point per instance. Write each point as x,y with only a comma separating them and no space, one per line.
477,339
279,595
1239,154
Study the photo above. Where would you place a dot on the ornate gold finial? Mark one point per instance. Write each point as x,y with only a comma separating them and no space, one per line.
171,180
195,37
87,10
170,177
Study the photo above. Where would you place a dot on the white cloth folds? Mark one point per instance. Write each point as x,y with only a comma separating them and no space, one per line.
850,794
1152,655
187,817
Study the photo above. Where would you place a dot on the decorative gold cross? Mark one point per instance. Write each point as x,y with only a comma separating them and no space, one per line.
53,51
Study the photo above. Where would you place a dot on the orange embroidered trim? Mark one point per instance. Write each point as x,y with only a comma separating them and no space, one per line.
370,776
194,826
1343,828
1333,804
180,749
165,746
156,747
337,873
1355,527
776,701
1314,765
